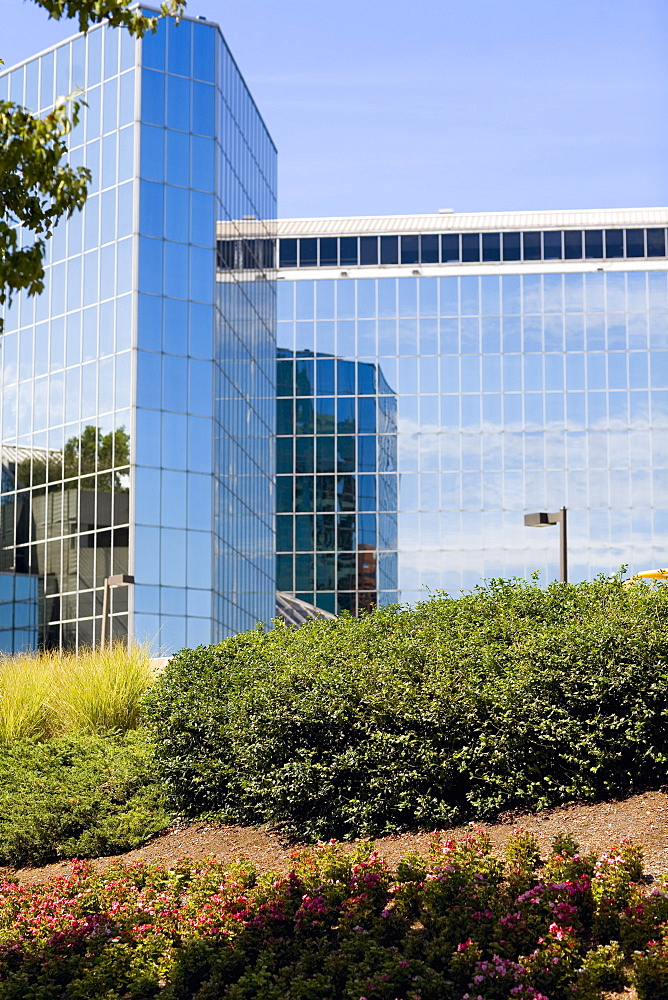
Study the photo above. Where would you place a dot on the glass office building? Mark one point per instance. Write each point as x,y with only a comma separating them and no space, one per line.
526,355
137,391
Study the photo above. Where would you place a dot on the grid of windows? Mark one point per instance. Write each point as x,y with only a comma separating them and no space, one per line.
203,553
444,248
126,440
513,392
66,359
336,485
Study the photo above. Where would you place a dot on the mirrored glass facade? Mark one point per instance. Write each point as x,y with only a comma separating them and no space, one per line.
518,387
119,439
336,484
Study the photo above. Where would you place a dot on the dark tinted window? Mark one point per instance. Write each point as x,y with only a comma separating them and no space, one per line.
304,376
635,242
593,243
288,253
368,249
552,245
225,254
284,381
329,251
284,534
470,246
532,248
249,255
656,243
303,454
511,246
325,376
325,491
324,453
389,249
348,250
573,244
284,454
491,246
449,247
429,249
268,253
284,419
308,252
410,250
614,243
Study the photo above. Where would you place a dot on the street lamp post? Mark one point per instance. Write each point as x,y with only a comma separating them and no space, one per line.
119,580
541,520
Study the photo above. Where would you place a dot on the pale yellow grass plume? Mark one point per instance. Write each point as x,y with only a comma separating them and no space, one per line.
93,691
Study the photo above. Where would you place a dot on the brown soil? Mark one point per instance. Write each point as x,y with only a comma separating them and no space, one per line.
595,827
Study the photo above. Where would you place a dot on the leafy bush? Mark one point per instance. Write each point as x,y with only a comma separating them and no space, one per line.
510,697
77,796
93,691
338,926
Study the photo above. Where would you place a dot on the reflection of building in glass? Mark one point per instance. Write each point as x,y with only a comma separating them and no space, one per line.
529,353
137,393
336,481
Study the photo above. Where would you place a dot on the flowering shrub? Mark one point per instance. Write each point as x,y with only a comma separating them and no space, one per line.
339,926
510,697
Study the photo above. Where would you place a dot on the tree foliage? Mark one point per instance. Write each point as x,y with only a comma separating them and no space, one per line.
118,13
36,190
86,454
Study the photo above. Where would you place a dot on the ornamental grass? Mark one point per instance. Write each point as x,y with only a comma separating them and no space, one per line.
53,693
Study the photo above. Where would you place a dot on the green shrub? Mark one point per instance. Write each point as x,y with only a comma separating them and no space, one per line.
77,796
510,697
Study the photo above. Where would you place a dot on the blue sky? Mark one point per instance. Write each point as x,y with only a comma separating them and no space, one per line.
384,107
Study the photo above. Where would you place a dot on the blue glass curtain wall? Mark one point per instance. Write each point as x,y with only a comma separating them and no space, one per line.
66,425
205,156
120,447
511,393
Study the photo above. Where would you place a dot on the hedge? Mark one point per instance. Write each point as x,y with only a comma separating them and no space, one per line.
511,697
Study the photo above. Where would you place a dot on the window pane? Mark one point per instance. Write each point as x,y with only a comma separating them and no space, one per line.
614,243
389,249
284,540
284,455
573,244
348,250
656,243
511,246
329,251
593,244
368,249
552,245
532,248
429,249
449,248
635,242
470,246
491,246
303,455
410,250
288,253
308,252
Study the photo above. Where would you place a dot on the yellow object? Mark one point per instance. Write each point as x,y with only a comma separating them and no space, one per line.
647,574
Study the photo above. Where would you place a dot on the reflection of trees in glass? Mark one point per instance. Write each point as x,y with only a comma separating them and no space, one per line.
82,454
